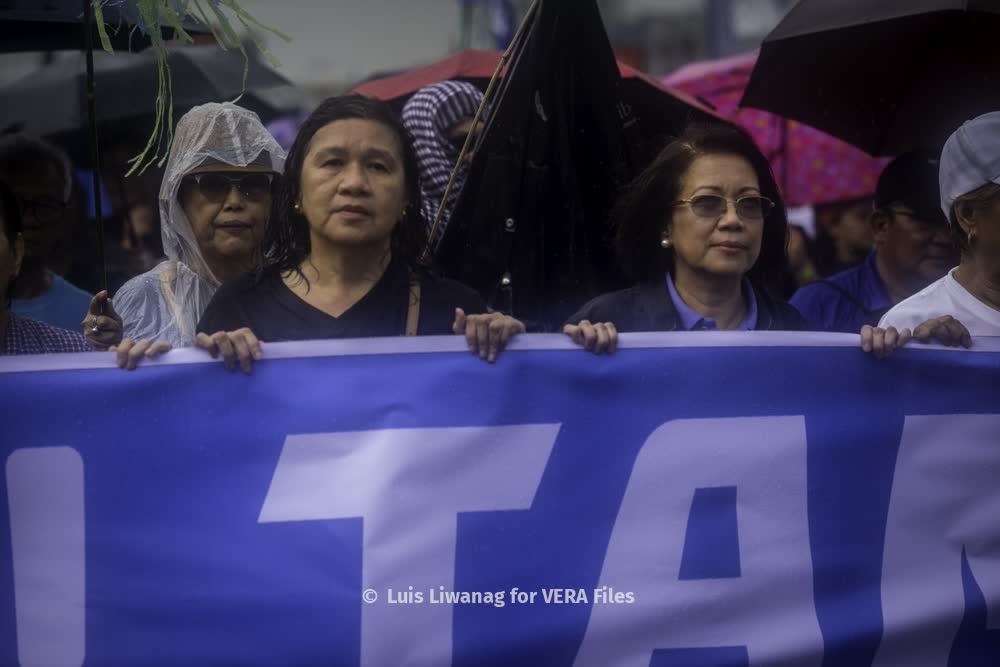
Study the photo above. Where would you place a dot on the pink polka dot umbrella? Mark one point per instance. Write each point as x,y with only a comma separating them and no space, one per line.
811,167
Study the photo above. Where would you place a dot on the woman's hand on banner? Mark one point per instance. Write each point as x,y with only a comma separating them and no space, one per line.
129,353
488,333
880,342
945,330
240,346
598,337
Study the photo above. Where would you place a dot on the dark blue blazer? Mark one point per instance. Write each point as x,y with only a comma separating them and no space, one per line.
648,307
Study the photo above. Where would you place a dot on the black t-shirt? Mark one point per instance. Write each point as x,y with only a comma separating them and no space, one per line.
274,313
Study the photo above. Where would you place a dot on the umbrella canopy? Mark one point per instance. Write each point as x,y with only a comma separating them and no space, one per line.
657,107
883,75
52,101
530,229
55,25
472,65
811,167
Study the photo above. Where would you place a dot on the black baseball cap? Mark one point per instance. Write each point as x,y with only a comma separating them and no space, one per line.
912,180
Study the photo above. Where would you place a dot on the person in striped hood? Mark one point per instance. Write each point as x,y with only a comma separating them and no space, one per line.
439,117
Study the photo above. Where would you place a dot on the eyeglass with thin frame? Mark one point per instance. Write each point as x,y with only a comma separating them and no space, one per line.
749,207
216,186
46,209
928,225
920,227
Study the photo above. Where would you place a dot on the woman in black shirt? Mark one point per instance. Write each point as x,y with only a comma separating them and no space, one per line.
340,253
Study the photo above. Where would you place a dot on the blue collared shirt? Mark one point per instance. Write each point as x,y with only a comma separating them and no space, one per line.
692,321
861,299
63,306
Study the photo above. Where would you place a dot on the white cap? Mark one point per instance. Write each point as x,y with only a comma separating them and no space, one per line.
803,217
970,159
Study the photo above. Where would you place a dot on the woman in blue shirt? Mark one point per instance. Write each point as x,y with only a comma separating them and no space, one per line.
702,231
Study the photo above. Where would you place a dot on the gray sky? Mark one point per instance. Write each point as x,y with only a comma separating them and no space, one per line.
337,43
343,41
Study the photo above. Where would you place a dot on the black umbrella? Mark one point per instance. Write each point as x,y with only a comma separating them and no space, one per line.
52,101
69,24
655,105
884,75
56,25
530,230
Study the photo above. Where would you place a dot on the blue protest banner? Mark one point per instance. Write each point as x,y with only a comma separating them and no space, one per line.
695,499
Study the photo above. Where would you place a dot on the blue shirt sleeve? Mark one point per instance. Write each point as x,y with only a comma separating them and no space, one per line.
816,305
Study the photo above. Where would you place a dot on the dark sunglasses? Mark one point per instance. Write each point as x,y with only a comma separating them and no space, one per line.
751,207
216,186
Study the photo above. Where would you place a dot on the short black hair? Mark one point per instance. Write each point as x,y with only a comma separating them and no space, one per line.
19,149
286,242
640,214
911,179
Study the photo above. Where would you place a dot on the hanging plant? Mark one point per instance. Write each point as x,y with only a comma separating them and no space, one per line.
222,17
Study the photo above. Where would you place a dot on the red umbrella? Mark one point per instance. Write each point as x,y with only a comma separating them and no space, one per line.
468,65
646,94
812,167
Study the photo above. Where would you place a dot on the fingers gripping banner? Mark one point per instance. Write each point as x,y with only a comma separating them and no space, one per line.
760,499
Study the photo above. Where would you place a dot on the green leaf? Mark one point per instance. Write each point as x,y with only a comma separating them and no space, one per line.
102,30
153,13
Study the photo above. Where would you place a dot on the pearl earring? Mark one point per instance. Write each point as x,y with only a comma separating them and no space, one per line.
297,207
665,242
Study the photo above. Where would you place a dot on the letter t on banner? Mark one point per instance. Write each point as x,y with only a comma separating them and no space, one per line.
408,485
768,607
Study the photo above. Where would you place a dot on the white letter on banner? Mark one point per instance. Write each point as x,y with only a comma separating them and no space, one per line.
45,499
945,498
769,608
408,485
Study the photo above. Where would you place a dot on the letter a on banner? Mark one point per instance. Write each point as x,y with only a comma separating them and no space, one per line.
757,603
945,502
476,469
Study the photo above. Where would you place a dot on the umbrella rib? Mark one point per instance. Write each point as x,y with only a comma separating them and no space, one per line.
487,98
95,152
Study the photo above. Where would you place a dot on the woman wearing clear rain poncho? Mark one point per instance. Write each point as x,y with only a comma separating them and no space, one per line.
215,202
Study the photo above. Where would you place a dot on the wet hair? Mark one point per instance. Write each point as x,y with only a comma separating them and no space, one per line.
286,242
11,224
970,201
641,213
17,150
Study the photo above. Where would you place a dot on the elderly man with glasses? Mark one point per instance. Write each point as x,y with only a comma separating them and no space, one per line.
912,249
41,177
